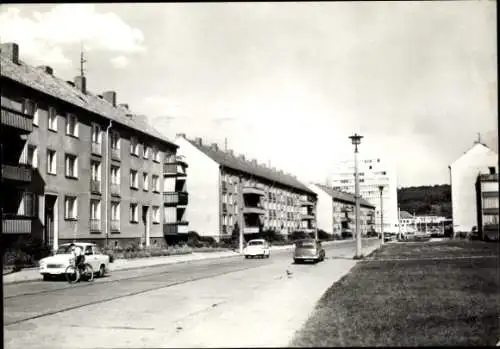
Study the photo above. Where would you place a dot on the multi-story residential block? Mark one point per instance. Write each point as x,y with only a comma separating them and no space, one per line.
229,192
336,211
372,174
77,166
463,175
487,205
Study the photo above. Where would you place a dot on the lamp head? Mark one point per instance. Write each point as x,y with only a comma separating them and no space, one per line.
356,139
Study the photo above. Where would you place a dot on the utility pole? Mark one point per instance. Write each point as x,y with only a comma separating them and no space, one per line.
356,140
82,61
381,189
240,216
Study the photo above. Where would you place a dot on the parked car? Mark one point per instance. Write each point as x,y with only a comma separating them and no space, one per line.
257,248
56,265
308,250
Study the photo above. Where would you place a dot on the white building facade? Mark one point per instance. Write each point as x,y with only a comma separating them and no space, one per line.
373,172
463,175
229,192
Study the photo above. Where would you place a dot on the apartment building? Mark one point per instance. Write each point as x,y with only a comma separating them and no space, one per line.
422,224
229,192
372,174
77,166
336,211
487,205
463,175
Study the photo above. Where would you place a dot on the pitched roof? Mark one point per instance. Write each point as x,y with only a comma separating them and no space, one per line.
236,163
51,85
475,145
405,215
343,196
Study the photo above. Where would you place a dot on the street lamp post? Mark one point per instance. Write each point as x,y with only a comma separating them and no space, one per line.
356,140
381,189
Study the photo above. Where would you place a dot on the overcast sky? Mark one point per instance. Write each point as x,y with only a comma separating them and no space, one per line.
288,82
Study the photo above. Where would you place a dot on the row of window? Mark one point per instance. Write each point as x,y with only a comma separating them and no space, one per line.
72,129
71,169
71,210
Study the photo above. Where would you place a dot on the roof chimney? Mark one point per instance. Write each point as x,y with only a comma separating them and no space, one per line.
198,141
242,157
230,152
81,83
215,146
180,135
46,69
70,83
110,97
123,105
11,51
254,161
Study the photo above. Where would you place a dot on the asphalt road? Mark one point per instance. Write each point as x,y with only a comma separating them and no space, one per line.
136,308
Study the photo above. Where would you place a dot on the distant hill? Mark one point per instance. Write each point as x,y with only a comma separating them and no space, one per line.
426,200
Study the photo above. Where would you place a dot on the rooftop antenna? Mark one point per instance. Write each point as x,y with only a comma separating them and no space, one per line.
478,137
82,61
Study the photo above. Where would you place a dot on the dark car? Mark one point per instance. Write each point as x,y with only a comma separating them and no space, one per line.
308,250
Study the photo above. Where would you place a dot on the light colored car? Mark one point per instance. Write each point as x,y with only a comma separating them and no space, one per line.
257,248
308,250
57,264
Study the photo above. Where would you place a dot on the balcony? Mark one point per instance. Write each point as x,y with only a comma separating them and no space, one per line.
173,170
174,228
252,189
307,216
224,208
175,198
115,189
115,225
254,210
13,224
95,186
18,120
223,187
307,203
95,225
20,173
115,154
250,230
96,148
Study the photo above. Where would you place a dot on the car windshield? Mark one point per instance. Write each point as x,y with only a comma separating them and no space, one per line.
65,249
306,244
256,243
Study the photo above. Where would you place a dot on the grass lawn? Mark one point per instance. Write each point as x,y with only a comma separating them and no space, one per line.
403,295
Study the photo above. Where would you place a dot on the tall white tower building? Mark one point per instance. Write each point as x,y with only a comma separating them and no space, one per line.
372,173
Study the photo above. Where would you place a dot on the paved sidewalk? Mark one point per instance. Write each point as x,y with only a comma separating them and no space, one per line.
32,274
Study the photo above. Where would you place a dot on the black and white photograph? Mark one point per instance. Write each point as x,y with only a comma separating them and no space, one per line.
249,174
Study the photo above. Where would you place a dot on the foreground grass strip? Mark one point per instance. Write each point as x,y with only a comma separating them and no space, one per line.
411,302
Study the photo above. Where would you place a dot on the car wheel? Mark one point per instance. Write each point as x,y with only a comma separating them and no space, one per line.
46,277
297,261
102,270
246,257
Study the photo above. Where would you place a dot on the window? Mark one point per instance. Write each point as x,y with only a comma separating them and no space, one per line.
115,140
115,175
145,151
155,183
156,214
71,164
145,181
134,179
95,170
115,211
96,133
95,209
134,146
31,108
71,125
52,119
156,154
27,206
51,161
70,207
32,155
134,213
